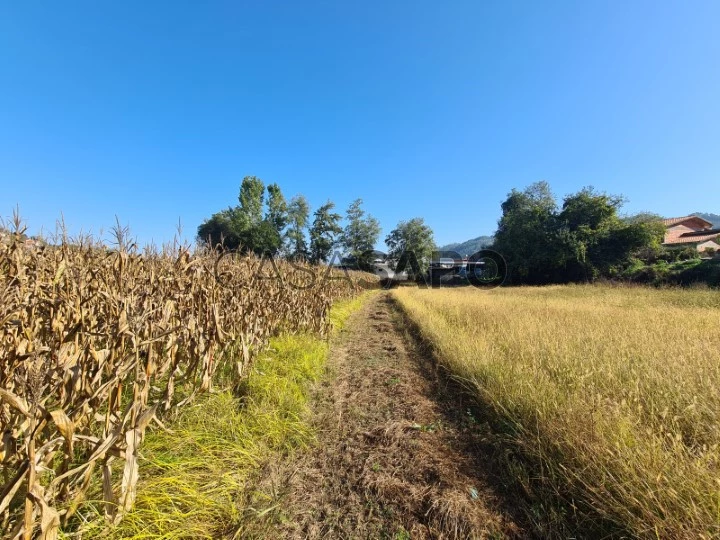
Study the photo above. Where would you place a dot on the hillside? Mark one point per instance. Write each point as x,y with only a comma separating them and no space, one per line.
469,246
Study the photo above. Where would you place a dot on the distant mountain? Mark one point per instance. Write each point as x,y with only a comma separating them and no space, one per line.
469,246
712,218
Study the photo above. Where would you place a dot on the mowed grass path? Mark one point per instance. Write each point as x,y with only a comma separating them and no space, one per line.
608,396
198,478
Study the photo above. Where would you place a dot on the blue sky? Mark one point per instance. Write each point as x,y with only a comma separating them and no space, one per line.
154,111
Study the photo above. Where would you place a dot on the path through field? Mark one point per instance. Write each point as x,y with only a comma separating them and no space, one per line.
397,456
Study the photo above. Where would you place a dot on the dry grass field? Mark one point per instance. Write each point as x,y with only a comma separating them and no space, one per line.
607,396
100,346
141,393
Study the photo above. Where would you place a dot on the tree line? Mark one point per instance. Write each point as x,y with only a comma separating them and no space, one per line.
264,223
582,238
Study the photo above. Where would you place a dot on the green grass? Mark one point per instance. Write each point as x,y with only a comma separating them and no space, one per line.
342,310
195,477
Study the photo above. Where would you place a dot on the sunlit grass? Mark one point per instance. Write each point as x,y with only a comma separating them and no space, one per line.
611,392
341,311
195,476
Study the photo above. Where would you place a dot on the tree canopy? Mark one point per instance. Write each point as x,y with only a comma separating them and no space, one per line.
360,234
244,226
324,233
412,236
581,241
298,215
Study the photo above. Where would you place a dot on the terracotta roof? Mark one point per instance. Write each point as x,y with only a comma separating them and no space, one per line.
694,237
669,222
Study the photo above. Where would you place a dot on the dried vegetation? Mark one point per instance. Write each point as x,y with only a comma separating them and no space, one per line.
97,344
605,399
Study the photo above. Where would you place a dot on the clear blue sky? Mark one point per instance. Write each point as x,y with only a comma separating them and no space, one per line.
155,111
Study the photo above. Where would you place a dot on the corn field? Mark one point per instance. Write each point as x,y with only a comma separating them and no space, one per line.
98,344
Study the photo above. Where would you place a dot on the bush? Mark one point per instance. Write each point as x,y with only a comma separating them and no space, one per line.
707,271
687,254
682,272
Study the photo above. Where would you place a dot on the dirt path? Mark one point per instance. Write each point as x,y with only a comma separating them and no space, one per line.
397,457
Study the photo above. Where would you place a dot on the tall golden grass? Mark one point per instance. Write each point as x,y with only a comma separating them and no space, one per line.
610,394
97,343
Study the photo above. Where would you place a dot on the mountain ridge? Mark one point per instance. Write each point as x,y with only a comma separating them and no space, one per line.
468,247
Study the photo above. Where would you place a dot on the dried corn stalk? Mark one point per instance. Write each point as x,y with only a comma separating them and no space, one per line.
94,343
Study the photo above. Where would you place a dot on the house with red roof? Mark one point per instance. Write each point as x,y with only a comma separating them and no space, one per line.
691,231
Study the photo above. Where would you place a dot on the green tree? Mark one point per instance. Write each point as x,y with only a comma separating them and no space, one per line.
360,234
277,211
272,229
412,236
251,195
526,235
222,228
650,227
584,240
587,227
600,242
323,233
298,215
243,226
